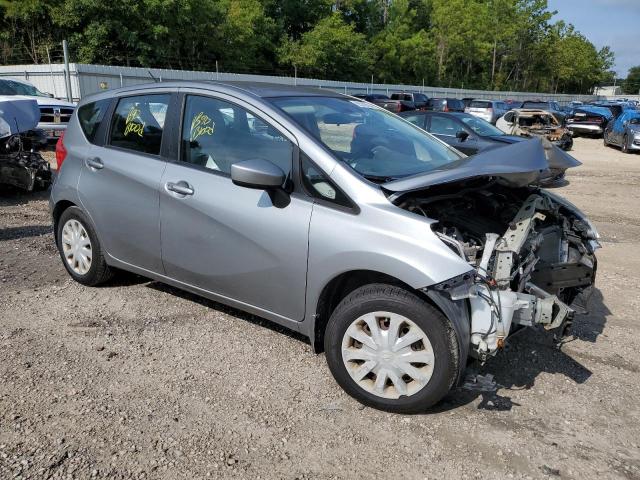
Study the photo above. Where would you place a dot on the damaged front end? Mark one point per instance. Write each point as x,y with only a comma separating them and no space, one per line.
542,124
21,165
532,253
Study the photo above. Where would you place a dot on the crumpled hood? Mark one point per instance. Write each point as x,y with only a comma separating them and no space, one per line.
516,165
506,138
17,116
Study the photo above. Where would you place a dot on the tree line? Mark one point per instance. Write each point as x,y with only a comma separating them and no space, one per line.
484,44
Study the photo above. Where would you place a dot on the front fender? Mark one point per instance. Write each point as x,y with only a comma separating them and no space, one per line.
386,240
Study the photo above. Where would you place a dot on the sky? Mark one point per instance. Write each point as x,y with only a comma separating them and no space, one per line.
606,22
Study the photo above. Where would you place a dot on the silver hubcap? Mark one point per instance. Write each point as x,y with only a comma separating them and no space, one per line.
76,246
387,355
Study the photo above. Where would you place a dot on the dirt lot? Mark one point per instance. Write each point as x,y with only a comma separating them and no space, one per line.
138,380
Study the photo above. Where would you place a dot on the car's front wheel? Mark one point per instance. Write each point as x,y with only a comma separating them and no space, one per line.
390,349
80,249
625,144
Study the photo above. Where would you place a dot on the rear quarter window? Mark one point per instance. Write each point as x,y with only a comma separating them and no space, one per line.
91,116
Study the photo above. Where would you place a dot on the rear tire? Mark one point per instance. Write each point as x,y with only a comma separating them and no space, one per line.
80,249
409,350
604,139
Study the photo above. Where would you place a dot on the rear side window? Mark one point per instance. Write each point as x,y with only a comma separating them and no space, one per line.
90,116
478,104
138,123
417,120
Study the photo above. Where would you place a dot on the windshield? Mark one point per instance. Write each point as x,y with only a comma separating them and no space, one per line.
10,87
481,127
375,143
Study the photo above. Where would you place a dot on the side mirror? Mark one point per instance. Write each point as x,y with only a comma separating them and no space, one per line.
462,135
257,173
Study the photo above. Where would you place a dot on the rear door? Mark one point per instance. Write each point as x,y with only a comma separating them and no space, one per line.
120,179
229,240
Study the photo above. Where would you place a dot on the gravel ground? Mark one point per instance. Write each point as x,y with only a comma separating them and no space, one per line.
139,380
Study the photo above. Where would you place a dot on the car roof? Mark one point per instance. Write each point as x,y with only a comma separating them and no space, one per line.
431,113
258,89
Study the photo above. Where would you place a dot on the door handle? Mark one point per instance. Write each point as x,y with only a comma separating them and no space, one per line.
94,163
181,188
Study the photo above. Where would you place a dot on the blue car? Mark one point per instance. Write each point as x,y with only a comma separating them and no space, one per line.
624,131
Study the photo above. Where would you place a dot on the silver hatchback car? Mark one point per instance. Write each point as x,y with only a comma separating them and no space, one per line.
394,253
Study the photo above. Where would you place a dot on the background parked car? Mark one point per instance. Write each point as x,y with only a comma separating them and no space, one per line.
489,110
393,105
445,105
419,99
588,120
462,131
54,113
616,108
536,123
511,104
624,131
550,106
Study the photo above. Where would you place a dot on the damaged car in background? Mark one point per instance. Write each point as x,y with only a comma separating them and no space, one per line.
21,166
528,122
398,256
588,120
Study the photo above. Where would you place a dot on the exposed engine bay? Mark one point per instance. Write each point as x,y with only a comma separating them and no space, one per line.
21,165
533,256
536,123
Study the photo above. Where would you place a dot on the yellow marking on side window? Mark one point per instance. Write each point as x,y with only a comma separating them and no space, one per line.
201,125
133,123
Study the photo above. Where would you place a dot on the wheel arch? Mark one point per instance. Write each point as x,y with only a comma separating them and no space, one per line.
57,212
336,289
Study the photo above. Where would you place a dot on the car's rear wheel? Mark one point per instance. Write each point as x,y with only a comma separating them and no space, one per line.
391,350
604,139
80,249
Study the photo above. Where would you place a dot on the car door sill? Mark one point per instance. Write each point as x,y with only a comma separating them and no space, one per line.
245,307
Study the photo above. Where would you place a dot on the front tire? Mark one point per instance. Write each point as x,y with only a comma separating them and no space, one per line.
80,249
391,350
625,144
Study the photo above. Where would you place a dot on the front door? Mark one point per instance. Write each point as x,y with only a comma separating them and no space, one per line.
223,238
119,181
446,129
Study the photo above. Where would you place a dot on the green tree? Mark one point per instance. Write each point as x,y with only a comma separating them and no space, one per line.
332,50
402,51
632,83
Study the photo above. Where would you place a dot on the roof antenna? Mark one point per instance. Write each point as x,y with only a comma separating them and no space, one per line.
151,75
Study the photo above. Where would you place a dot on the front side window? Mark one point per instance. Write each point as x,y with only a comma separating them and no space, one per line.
90,116
138,123
217,134
377,144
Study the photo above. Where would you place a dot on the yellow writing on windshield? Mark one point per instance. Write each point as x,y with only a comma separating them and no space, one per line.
133,123
201,124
